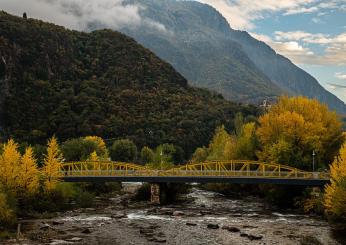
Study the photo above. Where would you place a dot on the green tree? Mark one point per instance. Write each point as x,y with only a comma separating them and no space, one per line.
218,143
7,215
238,123
246,143
163,156
147,155
123,150
80,149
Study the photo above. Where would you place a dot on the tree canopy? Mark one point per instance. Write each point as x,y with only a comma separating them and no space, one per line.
296,127
335,192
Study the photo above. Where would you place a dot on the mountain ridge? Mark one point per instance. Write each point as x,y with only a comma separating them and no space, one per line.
71,84
235,66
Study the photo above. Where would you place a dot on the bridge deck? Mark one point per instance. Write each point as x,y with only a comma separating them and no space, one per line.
199,179
233,171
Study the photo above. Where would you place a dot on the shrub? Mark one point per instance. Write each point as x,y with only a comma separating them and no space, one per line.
7,215
85,199
123,150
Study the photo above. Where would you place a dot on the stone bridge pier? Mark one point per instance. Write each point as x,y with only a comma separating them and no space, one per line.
155,193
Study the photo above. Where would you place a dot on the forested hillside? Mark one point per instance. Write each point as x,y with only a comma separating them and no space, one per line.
71,84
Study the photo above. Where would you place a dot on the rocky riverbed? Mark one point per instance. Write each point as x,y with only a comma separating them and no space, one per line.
205,218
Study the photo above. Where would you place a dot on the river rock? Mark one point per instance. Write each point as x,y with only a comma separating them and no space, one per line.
45,226
75,239
191,224
118,216
255,237
178,213
165,211
86,231
159,239
57,222
251,236
204,212
213,226
231,228
277,233
146,230
58,242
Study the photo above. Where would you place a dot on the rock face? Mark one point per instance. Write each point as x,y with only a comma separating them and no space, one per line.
200,44
284,73
196,44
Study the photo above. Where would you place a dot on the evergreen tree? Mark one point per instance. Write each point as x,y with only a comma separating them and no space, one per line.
28,172
9,165
52,165
147,155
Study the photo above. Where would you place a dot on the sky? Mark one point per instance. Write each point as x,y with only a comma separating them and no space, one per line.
311,33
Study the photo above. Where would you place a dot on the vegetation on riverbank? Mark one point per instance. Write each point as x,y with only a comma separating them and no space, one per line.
285,134
29,188
335,192
289,133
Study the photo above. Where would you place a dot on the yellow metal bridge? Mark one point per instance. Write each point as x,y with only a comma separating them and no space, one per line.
233,171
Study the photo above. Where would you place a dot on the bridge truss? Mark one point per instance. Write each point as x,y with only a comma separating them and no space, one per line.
226,169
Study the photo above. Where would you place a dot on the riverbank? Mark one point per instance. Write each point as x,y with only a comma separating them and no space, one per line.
204,218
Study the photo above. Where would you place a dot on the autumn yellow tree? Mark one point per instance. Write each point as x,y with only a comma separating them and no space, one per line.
294,128
218,144
101,146
200,155
9,166
28,175
52,165
93,157
246,142
335,192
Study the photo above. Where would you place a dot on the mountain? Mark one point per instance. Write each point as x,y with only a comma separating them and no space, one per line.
284,73
71,84
199,43
195,42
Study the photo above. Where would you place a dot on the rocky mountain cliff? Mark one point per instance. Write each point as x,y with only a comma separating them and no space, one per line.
200,44
195,41
284,73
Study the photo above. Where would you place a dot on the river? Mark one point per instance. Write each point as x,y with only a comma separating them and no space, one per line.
205,218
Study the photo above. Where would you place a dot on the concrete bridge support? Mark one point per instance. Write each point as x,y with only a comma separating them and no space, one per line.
155,193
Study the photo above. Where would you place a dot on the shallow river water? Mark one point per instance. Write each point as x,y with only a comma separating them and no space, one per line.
207,218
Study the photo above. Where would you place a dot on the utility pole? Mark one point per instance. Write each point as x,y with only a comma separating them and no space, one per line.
161,153
313,161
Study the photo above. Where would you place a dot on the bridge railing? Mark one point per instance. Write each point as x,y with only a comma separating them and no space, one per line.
197,173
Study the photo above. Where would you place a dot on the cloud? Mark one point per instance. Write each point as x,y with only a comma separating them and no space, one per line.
341,76
295,45
242,14
336,86
83,14
291,49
